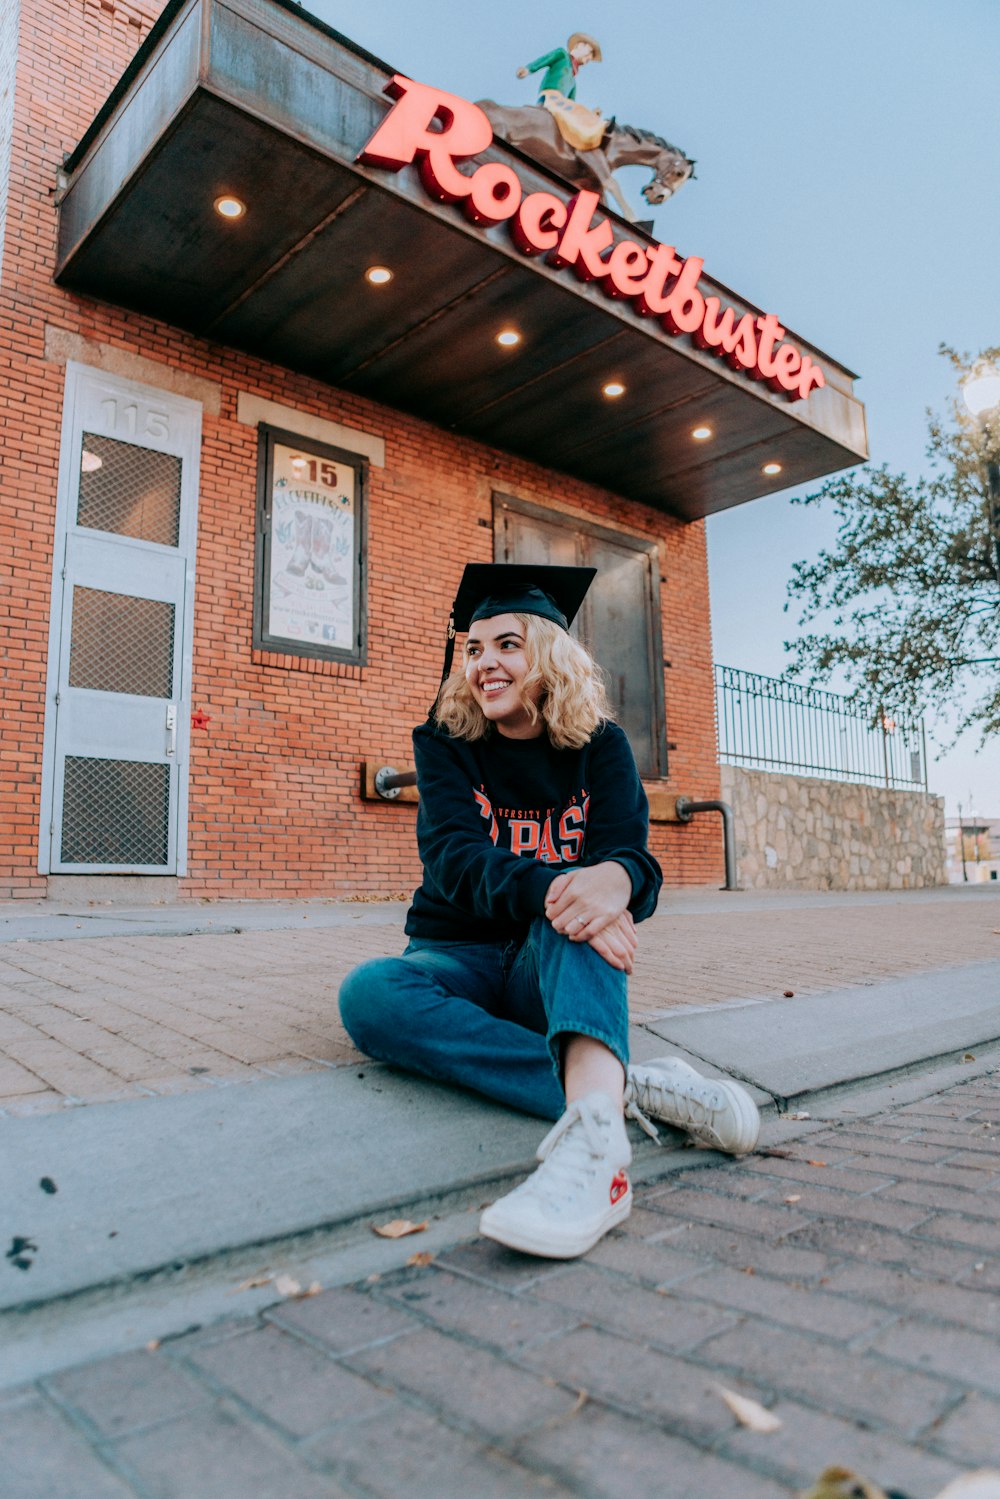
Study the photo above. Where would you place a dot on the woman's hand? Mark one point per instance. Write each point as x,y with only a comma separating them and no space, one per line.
617,943
582,902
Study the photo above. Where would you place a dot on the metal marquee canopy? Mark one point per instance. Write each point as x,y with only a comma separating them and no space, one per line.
257,99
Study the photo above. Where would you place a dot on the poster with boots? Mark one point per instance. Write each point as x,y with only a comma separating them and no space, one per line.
313,515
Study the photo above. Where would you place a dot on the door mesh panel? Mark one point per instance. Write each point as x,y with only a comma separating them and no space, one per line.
129,491
120,643
115,812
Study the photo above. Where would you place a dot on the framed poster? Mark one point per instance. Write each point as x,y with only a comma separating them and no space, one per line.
309,594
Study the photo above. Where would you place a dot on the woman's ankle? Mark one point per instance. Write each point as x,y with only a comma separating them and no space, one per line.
591,1067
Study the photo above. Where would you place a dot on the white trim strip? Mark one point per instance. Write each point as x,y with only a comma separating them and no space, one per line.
252,410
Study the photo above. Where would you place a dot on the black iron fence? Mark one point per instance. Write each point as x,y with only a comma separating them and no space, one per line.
773,724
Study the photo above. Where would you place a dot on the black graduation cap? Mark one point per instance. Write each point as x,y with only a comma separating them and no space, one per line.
489,588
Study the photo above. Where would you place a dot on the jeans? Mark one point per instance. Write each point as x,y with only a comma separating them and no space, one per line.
489,1016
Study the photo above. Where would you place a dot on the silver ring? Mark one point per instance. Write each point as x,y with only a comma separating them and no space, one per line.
578,921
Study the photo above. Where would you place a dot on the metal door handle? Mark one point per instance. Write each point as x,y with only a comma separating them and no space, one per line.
171,728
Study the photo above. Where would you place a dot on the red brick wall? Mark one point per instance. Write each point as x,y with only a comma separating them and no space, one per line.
274,802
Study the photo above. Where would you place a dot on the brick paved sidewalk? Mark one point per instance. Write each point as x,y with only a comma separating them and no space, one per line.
114,1017
849,1282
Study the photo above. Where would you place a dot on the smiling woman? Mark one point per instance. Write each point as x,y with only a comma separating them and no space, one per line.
496,672
525,676
532,830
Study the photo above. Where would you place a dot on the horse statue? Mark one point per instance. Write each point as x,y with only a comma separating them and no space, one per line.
533,129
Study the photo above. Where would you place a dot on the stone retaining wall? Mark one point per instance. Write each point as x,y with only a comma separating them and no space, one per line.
800,832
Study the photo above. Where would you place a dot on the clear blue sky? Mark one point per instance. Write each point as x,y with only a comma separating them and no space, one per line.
848,173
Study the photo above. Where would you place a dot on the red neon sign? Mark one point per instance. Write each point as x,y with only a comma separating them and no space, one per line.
657,281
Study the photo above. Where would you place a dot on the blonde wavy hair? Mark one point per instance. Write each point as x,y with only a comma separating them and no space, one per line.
573,703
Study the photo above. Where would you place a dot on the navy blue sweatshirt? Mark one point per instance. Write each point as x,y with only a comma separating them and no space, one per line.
500,818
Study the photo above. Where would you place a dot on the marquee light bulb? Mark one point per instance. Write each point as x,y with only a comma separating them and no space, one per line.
771,468
229,207
701,433
508,338
378,275
614,389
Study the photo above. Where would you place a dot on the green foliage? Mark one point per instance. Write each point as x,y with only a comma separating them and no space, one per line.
907,601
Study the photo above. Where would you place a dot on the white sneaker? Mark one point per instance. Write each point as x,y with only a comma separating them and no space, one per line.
710,1109
580,1190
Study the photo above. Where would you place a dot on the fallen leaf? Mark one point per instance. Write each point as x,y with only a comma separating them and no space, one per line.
422,1257
286,1285
815,1163
581,1399
264,1279
795,1197
748,1412
48,1185
981,1483
842,1483
801,1115
970,1056
152,1345
789,993
397,1228
749,1270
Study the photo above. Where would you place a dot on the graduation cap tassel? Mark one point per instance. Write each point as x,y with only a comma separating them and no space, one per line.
449,656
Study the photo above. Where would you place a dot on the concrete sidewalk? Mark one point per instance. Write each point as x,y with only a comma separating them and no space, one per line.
117,1193
100,1003
180,1210
845,1279
200,1173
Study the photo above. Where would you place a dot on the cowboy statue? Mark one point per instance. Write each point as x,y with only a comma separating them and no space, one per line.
579,143
581,127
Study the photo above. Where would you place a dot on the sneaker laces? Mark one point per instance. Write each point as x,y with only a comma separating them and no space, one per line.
633,1111
649,1092
568,1154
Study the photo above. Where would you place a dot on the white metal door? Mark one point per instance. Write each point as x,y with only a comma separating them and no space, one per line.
118,703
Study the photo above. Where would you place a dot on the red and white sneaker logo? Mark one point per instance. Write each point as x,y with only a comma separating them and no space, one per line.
619,1187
